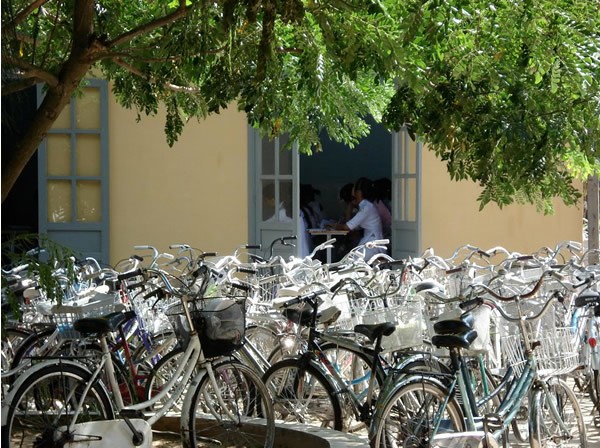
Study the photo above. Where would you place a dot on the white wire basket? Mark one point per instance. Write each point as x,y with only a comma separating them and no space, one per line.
555,349
407,315
64,315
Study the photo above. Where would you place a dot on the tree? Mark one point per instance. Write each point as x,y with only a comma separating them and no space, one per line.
274,58
506,93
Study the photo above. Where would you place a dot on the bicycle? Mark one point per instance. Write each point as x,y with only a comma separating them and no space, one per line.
423,410
311,387
60,401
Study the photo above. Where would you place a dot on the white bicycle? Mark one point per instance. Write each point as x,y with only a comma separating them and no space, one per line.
63,403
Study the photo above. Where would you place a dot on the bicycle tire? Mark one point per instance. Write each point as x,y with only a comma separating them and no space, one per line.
25,348
248,406
12,337
302,393
406,417
355,369
39,406
545,431
163,343
162,372
264,339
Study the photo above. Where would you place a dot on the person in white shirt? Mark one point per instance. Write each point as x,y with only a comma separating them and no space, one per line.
366,218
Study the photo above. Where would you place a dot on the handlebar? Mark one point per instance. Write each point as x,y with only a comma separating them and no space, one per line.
478,301
310,297
283,241
329,244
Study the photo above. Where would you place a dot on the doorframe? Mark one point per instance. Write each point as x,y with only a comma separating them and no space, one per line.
102,227
399,164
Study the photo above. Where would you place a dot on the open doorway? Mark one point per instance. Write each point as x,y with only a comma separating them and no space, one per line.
380,155
337,165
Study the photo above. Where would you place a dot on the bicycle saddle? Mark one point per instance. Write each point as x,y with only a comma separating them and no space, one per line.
462,340
302,315
373,331
587,298
454,326
104,324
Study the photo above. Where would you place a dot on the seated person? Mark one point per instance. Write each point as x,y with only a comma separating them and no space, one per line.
366,218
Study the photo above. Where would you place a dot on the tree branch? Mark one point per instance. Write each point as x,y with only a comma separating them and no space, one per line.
182,11
30,71
83,26
139,73
17,86
22,15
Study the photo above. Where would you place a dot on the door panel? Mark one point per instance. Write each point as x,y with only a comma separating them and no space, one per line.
73,174
274,187
406,196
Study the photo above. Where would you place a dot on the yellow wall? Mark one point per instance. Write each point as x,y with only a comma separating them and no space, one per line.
193,193
451,217
196,193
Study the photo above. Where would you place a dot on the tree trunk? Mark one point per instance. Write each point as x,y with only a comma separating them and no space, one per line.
54,102
71,74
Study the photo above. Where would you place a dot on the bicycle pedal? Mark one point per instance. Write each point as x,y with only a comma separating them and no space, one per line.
492,422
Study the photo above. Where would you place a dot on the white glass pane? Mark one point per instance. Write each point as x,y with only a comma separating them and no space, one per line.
88,155
89,201
411,207
412,157
59,201
268,201
268,156
87,109
58,148
285,156
64,119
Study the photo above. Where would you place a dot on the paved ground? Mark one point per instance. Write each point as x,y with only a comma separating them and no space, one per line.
593,431
171,439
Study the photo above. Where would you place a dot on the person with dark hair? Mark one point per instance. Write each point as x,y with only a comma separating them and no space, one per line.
366,218
383,197
348,199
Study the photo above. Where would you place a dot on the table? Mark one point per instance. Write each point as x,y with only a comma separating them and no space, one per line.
329,233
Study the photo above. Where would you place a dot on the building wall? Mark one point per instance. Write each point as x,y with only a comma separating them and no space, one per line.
451,217
193,193
196,193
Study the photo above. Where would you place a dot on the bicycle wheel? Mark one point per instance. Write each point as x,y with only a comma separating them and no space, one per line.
354,368
238,413
47,400
146,355
161,374
264,339
408,416
12,337
546,426
302,393
31,344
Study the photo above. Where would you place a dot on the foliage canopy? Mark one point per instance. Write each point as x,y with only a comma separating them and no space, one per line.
506,92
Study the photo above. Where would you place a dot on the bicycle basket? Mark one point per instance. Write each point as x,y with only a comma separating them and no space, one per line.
556,350
220,323
65,314
408,317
